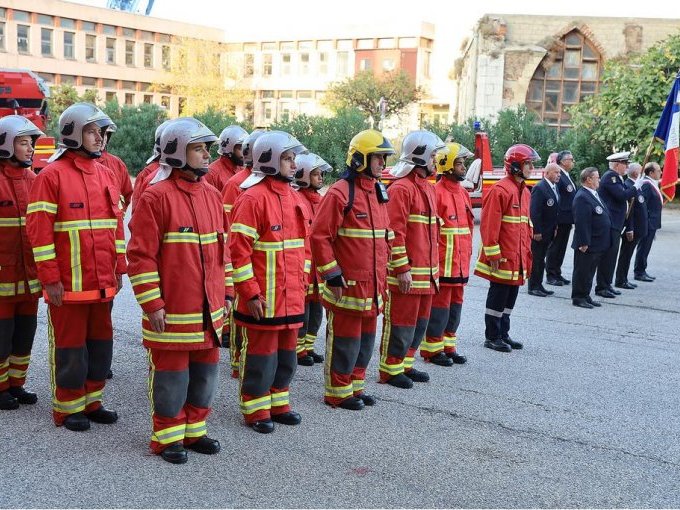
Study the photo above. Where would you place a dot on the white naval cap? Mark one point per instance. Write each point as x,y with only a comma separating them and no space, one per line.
622,157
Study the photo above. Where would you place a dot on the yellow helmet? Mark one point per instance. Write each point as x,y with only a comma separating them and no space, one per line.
445,160
365,143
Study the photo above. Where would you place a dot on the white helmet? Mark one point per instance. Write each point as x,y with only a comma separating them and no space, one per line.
71,124
305,164
11,127
177,135
417,150
230,137
247,146
267,151
157,141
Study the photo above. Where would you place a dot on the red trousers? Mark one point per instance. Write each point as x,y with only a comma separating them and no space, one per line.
268,363
80,347
17,330
349,345
404,325
310,329
444,321
182,386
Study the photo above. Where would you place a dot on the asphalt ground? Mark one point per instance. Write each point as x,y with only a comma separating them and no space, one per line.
586,415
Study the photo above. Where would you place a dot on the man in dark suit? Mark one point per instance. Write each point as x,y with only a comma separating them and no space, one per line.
650,190
565,219
635,229
592,237
615,197
544,208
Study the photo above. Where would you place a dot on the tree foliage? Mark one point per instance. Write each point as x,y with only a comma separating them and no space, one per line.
61,97
364,90
216,121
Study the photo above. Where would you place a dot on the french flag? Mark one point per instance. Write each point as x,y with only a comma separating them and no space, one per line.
668,132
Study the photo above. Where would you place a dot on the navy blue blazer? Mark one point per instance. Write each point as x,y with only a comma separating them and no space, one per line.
544,209
653,205
615,196
592,225
567,193
638,219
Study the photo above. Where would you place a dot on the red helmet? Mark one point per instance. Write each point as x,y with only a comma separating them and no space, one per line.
517,155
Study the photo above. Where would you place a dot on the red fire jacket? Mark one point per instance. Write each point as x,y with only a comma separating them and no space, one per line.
270,252
454,209
116,165
220,171
232,190
355,245
75,225
413,218
506,233
179,261
18,274
311,198
142,181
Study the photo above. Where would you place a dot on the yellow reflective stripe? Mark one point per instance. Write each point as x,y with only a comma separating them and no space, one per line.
13,222
243,273
424,271
34,286
150,277
515,219
339,391
450,341
181,237
168,337
490,251
69,407
390,235
402,261
169,435
280,399
358,385
257,404
120,246
419,218
228,267
8,289
398,250
149,295
308,266
448,256
429,346
286,244
228,281
95,396
227,207
455,231
20,360
270,283
408,362
42,253
415,284
73,226
350,303
76,268
15,373
240,228
328,266
42,206
395,369
208,238
4,377
502,274
197,429
361,232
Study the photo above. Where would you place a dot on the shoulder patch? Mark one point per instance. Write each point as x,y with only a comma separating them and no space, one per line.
550,202
599,210
570,188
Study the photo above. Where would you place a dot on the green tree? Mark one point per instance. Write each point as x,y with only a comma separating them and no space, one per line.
328,137
61,97
216,120
519,125
364,90
463,134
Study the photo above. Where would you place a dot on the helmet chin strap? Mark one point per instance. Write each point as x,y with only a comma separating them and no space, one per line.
234,159
91,155
284,179
23,164
198,172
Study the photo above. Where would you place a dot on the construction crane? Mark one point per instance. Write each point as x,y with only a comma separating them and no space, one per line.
129,5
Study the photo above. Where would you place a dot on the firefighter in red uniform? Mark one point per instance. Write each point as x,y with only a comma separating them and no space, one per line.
19,285
454,210
309,178
350,242
414,262
269,249
231,192
149,171
181,275
75,226
119,169
505,257
230,162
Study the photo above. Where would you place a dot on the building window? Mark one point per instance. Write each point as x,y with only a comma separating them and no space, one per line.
88,26
21,16
67,23
69,50
267,59
3,13
148,98
248,64
109,84
286,64
323,63
388,64
426,64
91,48
129,85
129,32
148,55
88,81
67,79
267,94
111,96
365,64
342,64
46,42
146,36
286,94
108,30
165,101
165,57
565,79
110,50
304,63
129,53
2,36
23,42
48,77
129,98
44,19
285,112
304,94
267,111
164,38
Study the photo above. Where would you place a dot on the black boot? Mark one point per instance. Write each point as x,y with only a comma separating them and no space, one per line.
318,358
102,415
289,418
175,454
205,445
368,400
263,426
77,422
440,359
305,361
400,381
497,345
351,403
23,396
458,359
512,343
417,375
7,401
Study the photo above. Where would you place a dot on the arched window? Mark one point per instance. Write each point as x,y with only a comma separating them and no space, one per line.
569,73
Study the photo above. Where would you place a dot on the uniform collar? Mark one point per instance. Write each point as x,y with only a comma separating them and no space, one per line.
278,186
311,194
365,183
183,183
12,172
450,184
81,162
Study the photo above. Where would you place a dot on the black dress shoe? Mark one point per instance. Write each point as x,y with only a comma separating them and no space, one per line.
644,278
418,375
77,422
564,280
305,361
8,402
458,359
582,303
175,454
631,283
625,285
537,293
23,396
263,427
318,358
440,359
368,400
554,281
351,403
614,291
400,381
596,304
605,294
205,445
546,291
289,418
102,415
497,345
650,276
513,344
